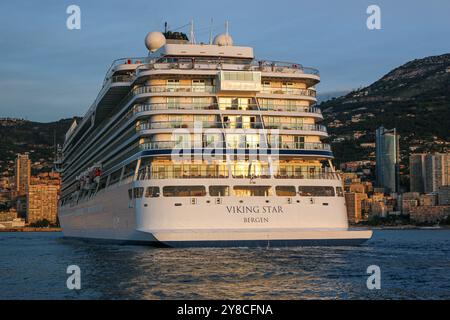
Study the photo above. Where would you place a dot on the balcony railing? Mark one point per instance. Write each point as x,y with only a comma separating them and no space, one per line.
289,91
160,145
178,125
207,172
214,106
168,88
295,126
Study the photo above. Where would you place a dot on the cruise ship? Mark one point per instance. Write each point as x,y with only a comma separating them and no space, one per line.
201,144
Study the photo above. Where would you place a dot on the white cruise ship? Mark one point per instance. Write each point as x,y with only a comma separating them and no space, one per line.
203,145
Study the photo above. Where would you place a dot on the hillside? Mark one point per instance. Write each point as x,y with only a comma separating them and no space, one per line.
18,136
414,98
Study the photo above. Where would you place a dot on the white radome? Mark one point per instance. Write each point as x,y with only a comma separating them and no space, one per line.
223,40
154,40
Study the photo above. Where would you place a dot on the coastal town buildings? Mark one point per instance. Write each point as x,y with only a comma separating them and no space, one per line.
42,198
22,172
387,159
428,172
28,199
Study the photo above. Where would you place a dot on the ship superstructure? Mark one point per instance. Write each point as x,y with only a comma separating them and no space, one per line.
203,145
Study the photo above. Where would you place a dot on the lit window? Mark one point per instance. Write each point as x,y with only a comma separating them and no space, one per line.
138,192
285,191
219,191
252,191
316,191
184,191
152,192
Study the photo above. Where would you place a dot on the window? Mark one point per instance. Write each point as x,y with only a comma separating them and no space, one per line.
152,192
115,176
129,169
252,191
138,192
316,191
198,86
172,85
285,191
184,191
339,191
102,183
219,191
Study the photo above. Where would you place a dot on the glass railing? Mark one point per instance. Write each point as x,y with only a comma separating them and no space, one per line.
282,108
214,106
177,125
170,106
206,172
290,91
166,88
173,173
122,78
295,126
230,64
156,145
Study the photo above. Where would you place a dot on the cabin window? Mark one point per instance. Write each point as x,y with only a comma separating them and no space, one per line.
184,191
129,169
138,192
219,191
339,191
252,191
115,176
152,192
316,191
102,183
285,191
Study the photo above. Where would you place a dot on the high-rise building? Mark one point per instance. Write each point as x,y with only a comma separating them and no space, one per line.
387,159
429,171
42,198
23,173
354,206
417,172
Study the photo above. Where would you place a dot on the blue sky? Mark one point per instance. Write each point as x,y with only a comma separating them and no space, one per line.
48,72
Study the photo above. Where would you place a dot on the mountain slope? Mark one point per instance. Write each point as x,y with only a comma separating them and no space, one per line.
19,136
414,98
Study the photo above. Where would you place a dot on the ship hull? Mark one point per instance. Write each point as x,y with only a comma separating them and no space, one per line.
111,216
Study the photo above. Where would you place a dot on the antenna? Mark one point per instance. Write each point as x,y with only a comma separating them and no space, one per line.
192,32
226,27
210,32
165,27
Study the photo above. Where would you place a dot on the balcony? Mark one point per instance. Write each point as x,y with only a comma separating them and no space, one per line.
289,91
296,126
177,125
175,89
164,145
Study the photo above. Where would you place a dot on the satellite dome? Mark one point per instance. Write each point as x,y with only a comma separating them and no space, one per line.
223,40
154,40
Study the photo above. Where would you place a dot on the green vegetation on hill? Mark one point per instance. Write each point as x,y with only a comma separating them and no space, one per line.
414,98
19,136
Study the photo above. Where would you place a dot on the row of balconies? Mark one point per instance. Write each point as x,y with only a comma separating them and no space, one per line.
214,106
214,64
212,89
230,125
161,145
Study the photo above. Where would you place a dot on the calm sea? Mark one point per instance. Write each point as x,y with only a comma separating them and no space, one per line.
415,264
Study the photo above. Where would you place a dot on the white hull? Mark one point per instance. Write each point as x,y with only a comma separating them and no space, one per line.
211,221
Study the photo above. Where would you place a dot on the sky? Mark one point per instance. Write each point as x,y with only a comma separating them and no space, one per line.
48,72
